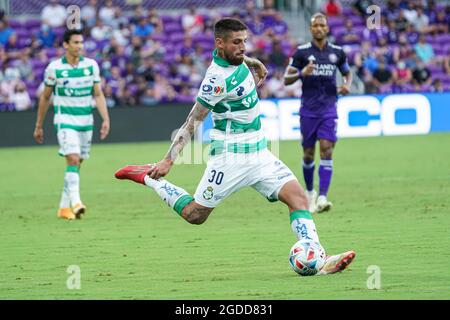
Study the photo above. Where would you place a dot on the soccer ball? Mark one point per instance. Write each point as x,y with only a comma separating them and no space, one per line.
307,257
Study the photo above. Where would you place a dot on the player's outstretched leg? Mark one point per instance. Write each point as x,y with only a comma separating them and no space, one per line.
303,225
176,197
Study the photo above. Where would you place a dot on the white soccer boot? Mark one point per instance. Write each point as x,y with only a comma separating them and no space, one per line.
323,204
312,197
337,263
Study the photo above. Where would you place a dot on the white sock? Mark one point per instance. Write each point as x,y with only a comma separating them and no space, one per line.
72,179
176,197
65,199
303,225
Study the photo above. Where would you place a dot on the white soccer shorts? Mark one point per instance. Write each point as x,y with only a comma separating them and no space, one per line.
229,172
74,142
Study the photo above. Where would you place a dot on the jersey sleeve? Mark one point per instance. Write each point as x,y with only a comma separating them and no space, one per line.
96,72
297,60
212,90
343,65
50,76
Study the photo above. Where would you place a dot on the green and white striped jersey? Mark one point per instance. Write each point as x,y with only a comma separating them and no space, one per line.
230,93
73,89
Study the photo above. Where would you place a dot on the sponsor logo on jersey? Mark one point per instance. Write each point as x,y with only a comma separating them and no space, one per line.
207,88
65,73
240,91
218,90
311,58
333,57
208,193
326,70
68,92
86,72
233,81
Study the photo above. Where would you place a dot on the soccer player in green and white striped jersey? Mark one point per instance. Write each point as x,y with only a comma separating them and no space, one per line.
74,81
239,155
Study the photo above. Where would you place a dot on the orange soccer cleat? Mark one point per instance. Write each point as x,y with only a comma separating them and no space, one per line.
66,213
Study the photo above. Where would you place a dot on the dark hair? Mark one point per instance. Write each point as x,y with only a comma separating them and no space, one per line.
69,33
224,26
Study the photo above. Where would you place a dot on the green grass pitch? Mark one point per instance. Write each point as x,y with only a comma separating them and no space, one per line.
391,200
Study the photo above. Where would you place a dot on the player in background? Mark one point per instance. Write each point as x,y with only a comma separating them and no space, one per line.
239,155
315,64
74,81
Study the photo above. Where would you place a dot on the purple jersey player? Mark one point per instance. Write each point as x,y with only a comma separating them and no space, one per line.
315,63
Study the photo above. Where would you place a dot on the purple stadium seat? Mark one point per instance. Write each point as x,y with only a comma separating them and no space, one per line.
347,11
51,52
23,33
166,19
434,68
386,89
173,27
7,107
439,51
37,64
32,93
338,31
15,23
32,23
359,30
334,22
59,32
176,37
159,37
408,88
23,42
441,76
357,21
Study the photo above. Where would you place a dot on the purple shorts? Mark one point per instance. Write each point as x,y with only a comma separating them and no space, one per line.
313,129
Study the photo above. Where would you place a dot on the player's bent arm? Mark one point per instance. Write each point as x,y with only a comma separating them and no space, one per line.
291,75
44,103
184,134
100,102
259,67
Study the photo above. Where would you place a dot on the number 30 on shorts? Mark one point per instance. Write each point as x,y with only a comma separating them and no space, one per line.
216,177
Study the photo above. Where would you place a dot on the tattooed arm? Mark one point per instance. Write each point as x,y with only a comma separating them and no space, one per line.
260,69
184,134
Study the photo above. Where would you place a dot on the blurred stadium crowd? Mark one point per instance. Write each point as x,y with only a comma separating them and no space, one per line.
147,57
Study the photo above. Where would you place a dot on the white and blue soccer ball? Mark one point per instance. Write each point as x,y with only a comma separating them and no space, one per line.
307,257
